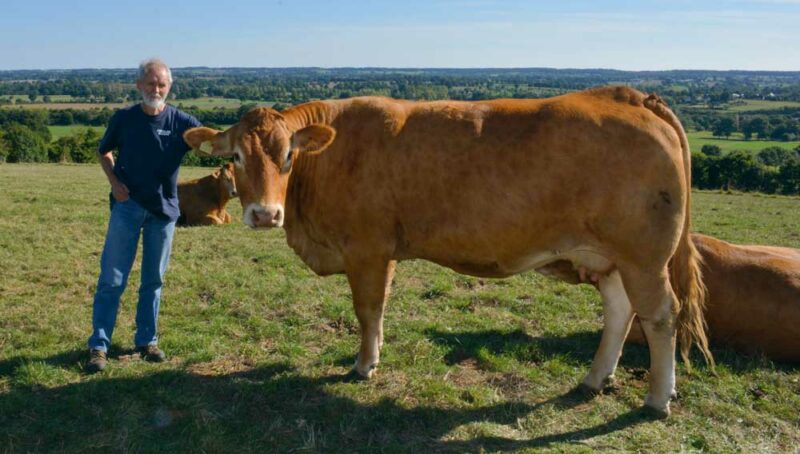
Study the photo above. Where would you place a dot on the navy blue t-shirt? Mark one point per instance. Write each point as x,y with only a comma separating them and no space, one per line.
151,148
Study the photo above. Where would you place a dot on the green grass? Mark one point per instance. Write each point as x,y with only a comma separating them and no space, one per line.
58,132
736,142
258,346
750,105
211,103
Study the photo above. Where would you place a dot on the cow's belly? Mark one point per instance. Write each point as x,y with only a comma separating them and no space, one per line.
592,260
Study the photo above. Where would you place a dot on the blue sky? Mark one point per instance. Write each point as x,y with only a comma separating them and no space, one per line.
629,35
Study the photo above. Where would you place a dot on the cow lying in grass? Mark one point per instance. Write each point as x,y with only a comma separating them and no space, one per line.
753,296
202,201
599,178
753,300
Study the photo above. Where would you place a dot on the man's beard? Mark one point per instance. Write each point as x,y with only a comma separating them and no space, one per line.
153,102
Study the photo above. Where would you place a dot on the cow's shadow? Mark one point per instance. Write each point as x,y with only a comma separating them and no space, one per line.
578,349
273,405
261,408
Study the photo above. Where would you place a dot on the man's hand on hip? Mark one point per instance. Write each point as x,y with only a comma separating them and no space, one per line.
120,191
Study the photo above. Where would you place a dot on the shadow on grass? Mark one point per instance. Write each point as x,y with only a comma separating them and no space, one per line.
270,407
577,349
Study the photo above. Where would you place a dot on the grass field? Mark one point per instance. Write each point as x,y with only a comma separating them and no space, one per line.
699,138
59,103
258,347
749,105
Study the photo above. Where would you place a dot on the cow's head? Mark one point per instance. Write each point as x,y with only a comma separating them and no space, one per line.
263,150
227,178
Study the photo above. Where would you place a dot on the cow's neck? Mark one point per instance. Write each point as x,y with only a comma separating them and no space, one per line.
315,112
304,172
301,222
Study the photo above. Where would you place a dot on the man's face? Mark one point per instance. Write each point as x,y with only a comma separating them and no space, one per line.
154,87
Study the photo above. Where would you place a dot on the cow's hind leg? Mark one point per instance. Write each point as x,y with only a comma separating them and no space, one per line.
617,315
653,300
370,281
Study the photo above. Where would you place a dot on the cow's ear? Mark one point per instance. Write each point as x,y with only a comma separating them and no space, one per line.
200,139
314,138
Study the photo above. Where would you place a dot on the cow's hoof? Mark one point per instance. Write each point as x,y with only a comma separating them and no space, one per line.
656,410
365,372
609,385
354,376
655,413
587,391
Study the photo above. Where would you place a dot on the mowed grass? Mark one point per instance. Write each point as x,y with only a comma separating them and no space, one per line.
750,105
259,346
736,142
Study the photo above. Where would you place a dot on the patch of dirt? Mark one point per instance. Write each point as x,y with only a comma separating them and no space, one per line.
465,373
511,386
222,366
339,326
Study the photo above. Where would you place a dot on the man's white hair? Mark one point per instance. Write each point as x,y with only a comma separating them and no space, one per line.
151,64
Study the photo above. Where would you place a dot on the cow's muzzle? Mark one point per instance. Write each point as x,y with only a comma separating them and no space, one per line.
264,216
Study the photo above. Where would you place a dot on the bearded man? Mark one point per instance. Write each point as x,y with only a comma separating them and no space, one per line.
144,202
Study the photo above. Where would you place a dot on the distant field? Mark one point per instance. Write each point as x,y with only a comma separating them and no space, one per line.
699,138
58,132
202,103
750,105
65,105
210,103
25,98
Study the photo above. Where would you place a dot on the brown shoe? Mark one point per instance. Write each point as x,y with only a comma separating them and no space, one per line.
97,361
151,353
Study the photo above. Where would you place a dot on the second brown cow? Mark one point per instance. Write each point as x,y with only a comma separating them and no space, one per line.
202,201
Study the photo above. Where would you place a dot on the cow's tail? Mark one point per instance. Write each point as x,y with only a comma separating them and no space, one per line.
684,266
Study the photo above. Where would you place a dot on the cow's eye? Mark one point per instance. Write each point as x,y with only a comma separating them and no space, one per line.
236,158
287,163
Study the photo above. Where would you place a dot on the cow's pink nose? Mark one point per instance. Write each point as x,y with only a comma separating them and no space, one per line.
266,217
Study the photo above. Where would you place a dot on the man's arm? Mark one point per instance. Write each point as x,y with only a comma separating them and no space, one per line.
118,188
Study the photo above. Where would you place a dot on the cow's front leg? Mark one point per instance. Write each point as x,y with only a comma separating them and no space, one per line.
370,281
617,315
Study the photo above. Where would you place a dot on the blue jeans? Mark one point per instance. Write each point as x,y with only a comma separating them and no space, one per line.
128,220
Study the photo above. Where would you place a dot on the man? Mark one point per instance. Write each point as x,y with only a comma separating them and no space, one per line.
149,139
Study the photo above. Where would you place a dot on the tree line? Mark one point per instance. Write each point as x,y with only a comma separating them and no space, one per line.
25,137
773,170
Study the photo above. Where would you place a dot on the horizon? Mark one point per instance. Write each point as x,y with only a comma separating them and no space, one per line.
691,35
410,68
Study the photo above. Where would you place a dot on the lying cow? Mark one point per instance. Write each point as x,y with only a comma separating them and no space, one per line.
753,298
598,178
202,201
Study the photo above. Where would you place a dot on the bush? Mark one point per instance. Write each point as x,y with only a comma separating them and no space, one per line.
79,147
774,156
711,150
23,144
789,177
198,160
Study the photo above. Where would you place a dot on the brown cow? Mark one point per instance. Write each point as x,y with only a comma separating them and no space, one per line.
753,298
202,201
599,178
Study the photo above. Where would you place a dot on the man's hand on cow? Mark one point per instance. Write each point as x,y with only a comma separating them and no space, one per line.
120,191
